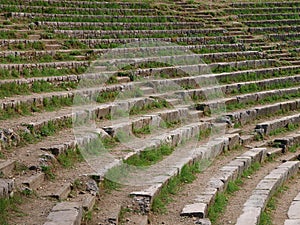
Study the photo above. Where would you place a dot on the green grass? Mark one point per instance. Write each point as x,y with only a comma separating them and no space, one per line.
45,72
9,208
12,88
70,157
187,175
251,170
294,148
280,130
266,216
218,207
49,172
156,104
149,156
142,131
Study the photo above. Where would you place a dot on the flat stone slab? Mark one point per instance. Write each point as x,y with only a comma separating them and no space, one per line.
60,193
65,213
292,222
250,216
294,210
196,209
203,222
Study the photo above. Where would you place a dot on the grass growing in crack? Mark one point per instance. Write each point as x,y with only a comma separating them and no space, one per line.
156,104
266,218
218,207
289,127
143,130
221,200
52,104
123,213
9,207
70,157
187,175
251,170
294,148
49,172
150,156
204,134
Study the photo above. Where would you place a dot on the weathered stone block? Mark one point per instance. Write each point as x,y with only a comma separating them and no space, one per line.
196,209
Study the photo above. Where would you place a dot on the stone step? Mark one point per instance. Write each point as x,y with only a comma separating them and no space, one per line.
98,17
58,192
56,65
288,140
6,188
88,202
268,126
149,33
143,199
52,47
34,37
6,167
128,26
293,212
85,10
219,182
113,217
35,181
147,90
65,213
137,219
264,190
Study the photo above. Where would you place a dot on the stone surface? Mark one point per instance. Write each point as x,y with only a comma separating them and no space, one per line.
6,166
294,210
250,216
292,222
88,202
34,181
196,209
65,213
137,220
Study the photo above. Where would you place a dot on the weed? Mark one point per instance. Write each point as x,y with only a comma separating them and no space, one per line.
217,208
70,157
251,170
9,206
149,156
187,175
49,172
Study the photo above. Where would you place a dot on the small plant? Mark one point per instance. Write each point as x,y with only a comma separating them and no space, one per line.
217,208
70,157
49,172
9,206
187,175
149,156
